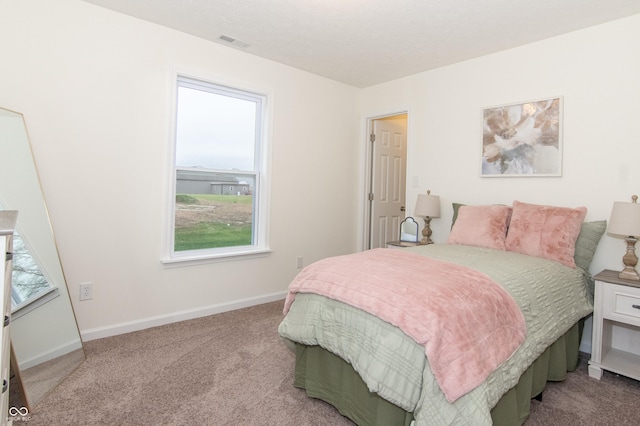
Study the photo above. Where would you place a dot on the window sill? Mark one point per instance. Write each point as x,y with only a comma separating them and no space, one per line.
193,260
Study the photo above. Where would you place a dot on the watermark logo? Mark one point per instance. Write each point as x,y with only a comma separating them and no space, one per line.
19,414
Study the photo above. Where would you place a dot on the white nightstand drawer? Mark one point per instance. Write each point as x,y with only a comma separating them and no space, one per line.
621,302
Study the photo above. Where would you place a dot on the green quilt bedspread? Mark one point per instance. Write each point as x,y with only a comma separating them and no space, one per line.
552,298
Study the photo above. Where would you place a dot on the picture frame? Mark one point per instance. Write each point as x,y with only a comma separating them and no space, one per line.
522,139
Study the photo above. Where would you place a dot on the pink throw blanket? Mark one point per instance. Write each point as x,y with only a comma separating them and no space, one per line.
467,323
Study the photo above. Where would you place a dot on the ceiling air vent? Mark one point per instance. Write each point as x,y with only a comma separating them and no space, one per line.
233,41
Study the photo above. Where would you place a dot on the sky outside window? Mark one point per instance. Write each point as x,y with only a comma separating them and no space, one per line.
214,131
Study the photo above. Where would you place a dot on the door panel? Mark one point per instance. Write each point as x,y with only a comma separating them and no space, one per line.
388,180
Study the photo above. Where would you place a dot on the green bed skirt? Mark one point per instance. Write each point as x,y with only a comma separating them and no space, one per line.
327,377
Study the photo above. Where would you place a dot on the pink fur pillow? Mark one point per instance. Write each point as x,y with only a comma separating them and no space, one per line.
481,226
545,231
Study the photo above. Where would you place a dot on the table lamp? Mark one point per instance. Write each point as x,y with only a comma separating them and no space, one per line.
625,221
427,206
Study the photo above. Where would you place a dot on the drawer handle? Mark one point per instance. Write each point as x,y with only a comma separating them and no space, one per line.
5,386
635,306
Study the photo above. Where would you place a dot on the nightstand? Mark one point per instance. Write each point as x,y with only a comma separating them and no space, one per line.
615,342
401,244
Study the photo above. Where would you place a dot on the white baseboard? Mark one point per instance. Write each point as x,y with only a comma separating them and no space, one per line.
51,354
128,327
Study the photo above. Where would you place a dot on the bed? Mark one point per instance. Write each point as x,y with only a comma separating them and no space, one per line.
362,344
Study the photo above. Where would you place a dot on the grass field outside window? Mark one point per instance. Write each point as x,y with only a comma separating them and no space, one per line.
205,221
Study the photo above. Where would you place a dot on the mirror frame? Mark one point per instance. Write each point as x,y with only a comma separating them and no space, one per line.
409,222
36,348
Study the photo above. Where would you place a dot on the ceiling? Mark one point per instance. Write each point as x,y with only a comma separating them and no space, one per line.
366,42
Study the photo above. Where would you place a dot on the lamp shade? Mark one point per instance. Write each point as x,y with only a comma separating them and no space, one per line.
428,205
625,219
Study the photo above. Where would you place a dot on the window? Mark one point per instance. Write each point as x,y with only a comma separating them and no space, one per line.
219,178
30,286
28,282
27,278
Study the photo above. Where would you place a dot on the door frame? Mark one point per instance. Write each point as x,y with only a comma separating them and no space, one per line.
368,170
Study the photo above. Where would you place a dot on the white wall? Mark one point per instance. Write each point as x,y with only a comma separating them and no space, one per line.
95,89
595,70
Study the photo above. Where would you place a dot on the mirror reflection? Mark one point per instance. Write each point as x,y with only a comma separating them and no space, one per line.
45,340
409,230
28,281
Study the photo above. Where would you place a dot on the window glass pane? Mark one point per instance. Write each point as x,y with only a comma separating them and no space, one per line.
211,212
215,131
28,282
217,140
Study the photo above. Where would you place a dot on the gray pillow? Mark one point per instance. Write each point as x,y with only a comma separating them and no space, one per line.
456,206
587,242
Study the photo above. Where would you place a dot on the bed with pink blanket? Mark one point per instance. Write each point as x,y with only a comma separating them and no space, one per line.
460,333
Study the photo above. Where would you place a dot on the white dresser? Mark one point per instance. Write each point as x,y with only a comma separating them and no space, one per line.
7,226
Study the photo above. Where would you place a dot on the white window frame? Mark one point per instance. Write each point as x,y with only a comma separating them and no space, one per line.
260,234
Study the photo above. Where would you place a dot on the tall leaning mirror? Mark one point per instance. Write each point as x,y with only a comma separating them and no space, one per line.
45,340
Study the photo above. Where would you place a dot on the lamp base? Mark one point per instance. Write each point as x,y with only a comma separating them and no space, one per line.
629,273
630,261
426,232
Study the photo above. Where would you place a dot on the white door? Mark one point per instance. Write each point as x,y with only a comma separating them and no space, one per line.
388,179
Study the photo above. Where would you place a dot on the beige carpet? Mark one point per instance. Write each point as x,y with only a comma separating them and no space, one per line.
232,369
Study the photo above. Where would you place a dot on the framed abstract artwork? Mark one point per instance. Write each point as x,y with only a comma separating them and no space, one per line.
523,139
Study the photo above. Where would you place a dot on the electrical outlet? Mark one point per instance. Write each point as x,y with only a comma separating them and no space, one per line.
86,291
299,262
